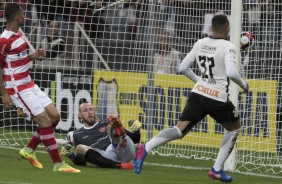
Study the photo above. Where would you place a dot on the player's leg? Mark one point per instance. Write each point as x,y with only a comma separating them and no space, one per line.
53,114
100,158
189,118
227,115
124,154
20,101
44,100
48,105
47,136
34,107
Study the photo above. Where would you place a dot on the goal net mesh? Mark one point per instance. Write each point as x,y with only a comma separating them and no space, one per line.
123,56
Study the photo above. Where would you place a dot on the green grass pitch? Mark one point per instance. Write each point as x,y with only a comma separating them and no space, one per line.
14,170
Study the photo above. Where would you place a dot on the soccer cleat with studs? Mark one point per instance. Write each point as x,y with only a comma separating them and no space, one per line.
63,167
219,175
140,155
118,129
30,156
126,166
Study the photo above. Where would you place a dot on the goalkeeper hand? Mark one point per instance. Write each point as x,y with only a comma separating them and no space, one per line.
67,150
134,125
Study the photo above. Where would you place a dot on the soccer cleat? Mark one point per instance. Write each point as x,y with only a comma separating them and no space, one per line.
220,175
63,167
140,155
30,156
126,166
134,125
118,129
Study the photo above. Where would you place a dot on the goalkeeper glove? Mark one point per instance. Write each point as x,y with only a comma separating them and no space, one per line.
134,125
67,150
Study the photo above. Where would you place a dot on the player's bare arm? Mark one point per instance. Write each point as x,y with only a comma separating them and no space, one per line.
5,96
246,89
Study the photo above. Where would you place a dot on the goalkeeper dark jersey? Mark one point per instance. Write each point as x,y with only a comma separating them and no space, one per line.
95,136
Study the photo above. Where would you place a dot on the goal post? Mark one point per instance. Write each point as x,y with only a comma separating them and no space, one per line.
235,34
123,56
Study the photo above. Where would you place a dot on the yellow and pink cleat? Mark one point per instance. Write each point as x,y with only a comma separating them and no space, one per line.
63,167
29,155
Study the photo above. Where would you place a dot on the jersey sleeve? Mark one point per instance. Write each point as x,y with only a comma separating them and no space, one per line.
187,62
189,59
230,53
230,64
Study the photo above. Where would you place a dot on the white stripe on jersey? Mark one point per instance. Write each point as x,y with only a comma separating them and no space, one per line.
19,69
7,34
15,57
12,84
18,42
12,59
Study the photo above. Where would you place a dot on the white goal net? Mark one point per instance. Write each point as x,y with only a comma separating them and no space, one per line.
123,56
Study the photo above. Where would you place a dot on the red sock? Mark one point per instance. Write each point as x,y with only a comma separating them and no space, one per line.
35,140
48,139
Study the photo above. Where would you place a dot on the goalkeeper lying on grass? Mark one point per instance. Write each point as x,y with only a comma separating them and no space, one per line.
103,143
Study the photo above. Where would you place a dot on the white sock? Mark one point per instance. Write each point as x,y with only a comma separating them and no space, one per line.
226,147
163,137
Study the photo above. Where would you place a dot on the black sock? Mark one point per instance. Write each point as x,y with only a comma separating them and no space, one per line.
96,158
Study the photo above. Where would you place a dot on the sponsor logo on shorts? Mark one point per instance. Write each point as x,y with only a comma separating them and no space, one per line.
208,91
236,113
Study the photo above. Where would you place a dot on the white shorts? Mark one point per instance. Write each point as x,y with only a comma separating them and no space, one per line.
119,154
31,101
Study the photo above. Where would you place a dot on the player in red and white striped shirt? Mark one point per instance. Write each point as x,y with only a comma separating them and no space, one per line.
18,89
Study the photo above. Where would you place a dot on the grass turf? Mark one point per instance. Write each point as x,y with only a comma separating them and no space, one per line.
15,170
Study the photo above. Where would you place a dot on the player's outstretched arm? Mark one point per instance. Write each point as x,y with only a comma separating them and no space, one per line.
233,74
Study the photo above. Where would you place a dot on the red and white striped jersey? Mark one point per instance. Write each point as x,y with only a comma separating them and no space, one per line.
14,62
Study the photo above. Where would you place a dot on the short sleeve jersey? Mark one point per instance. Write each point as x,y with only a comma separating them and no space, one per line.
95,136
14,62
211,56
